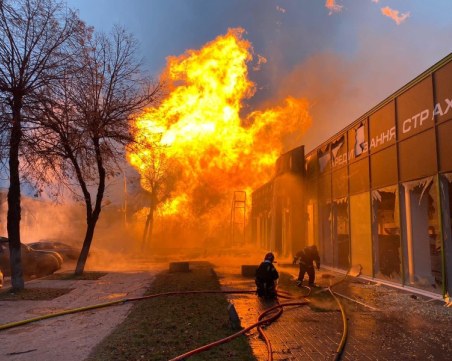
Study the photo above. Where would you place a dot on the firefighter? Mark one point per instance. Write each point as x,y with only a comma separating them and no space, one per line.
266,277
306,259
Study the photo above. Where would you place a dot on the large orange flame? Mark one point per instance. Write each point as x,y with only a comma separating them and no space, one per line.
200,126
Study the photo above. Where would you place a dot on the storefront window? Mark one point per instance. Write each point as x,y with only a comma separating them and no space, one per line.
339,152
340,183
326,252
312,166
360,231
312,223
358,141
324,157
341,234
422,235
312,213
386,234
325,219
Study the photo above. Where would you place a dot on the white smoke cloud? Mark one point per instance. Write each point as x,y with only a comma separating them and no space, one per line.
280,9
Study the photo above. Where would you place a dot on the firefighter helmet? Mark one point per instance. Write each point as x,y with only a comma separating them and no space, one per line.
269,257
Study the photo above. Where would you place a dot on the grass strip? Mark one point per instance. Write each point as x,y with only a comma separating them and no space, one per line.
70,276
165,327
33,294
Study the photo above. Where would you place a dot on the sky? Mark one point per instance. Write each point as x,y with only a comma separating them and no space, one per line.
344,56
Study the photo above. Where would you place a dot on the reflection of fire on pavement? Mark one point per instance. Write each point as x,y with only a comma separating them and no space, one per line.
115,295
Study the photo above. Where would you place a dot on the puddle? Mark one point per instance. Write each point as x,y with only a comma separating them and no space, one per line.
115,295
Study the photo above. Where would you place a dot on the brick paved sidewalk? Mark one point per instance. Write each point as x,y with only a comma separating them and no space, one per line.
394,326
299,334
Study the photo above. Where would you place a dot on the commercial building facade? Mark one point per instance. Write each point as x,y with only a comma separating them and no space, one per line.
379,193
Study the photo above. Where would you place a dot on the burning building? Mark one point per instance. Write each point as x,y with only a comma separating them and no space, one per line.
377,194
278,216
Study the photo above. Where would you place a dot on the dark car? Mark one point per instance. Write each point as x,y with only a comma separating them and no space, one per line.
37,263
68,252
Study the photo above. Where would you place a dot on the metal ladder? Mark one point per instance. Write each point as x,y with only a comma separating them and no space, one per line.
238,218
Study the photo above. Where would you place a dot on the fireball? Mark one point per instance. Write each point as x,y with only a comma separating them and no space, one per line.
200,127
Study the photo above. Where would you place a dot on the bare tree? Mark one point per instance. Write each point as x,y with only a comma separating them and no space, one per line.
159,178
84,134
33,36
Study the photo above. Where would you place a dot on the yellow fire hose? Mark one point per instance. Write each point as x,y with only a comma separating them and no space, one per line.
122,301
61,313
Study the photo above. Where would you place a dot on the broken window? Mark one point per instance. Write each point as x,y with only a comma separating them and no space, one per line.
357,141
424,245
341,233
324,159
339,152
311,166
386,234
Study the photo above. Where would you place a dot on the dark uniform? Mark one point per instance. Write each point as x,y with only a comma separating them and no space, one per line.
266,276
306,258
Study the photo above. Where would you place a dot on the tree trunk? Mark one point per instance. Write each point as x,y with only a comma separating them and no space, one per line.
13,218
148,228
151,227
145,232
93,216
81,262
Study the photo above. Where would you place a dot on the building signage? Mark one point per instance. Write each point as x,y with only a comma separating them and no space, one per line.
438,109
417,120
388,135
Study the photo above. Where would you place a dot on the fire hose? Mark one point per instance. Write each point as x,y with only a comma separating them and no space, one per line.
261,319
106,304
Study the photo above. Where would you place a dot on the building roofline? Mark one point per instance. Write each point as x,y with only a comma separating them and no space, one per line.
390,98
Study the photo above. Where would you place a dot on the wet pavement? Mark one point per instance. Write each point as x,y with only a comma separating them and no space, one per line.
383,323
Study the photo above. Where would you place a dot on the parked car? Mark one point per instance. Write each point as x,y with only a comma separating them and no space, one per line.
68,252
38,263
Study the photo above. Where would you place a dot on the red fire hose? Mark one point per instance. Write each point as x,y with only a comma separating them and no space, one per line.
262,319
235,335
